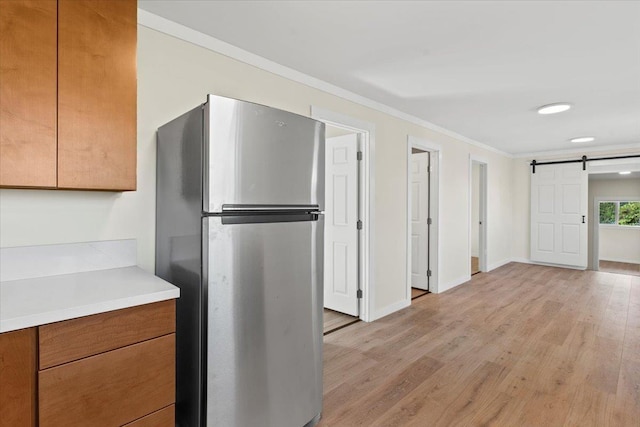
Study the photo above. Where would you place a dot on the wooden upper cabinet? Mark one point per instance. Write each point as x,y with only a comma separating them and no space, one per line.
28,93
97,94
18,377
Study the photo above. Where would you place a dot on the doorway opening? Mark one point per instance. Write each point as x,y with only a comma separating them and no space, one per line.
423,216
478,215
615,231
347,279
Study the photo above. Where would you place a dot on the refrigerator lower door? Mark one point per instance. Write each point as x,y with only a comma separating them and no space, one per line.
264,320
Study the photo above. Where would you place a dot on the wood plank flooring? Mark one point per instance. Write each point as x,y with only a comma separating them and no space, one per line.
475,265
523,345
620,267
415,293
334,320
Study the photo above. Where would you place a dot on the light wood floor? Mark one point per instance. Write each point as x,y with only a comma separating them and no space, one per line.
620,267
524,345
475,265
415,293
334,320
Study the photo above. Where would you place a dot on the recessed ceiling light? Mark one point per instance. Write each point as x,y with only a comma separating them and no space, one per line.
582,139
624,172
558,107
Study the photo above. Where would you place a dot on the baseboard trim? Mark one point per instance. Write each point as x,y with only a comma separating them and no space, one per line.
453,283
499,264
547,264
635,261
391,308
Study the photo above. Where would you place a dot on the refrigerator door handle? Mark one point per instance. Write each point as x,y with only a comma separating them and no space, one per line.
262,219
270,208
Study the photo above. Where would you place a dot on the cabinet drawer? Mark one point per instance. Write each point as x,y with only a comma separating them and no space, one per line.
165,417
74,339
110,389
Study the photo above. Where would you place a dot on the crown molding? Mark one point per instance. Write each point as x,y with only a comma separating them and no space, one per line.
166,26
577,150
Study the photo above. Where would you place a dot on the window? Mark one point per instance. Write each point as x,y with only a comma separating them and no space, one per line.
624,213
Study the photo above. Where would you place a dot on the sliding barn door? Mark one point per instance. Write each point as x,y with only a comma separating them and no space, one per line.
559,215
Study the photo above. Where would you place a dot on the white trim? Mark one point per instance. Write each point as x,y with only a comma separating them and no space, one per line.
454,283
499,264
577,150
483,199
166,26
522,260
391,308
434,196
367,199
625,260
546,264
595,229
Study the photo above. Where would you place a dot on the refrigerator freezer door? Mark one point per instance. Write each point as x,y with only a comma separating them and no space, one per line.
264,326
261,156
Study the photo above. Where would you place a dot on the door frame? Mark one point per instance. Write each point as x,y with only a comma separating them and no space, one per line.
597,167
366,133
483,201
434,208
596,225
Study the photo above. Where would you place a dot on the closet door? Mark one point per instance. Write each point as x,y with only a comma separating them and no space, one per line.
97,94
28,93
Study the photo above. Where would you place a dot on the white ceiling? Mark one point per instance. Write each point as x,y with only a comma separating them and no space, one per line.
478,68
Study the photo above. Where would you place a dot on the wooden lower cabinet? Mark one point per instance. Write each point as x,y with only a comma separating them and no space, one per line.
18,353
124,376
110,389
165,417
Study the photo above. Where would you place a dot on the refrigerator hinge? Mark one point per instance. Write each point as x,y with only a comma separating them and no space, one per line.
429,221
428,273
359,155
359,225
359,293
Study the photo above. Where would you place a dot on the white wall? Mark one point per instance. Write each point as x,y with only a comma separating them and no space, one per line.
521,202
174,76
616,243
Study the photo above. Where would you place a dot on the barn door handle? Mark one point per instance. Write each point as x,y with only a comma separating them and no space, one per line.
583,218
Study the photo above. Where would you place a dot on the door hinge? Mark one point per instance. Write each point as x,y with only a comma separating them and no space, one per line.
429,221
428,273
359,155
359,293
359,225
430,169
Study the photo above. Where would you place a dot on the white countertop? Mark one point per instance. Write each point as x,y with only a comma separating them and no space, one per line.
37,301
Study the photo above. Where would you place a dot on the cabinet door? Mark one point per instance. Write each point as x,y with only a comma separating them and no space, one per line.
109,389
97,94
28,93
18,378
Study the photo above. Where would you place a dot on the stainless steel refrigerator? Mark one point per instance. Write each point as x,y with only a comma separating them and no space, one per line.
239,228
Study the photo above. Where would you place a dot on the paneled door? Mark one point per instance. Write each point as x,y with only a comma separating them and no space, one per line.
341,225
559,215
419,218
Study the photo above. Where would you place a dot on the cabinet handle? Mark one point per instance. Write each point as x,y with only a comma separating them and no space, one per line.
583,218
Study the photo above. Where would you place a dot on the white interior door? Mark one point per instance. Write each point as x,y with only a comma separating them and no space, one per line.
341,225
558,214
419,220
